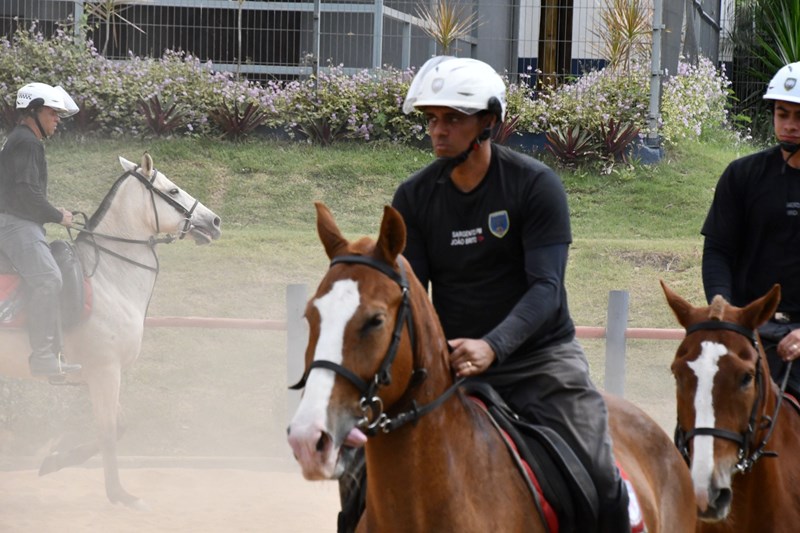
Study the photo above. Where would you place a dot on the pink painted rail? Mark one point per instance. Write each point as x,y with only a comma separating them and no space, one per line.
616,333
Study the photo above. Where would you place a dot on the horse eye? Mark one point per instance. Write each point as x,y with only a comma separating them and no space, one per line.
747,380
174,192
374,322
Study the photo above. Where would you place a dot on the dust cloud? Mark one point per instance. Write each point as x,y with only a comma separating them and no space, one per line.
205,414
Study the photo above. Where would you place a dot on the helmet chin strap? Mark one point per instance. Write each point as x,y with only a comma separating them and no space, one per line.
34,113
473,147
792,148
39,125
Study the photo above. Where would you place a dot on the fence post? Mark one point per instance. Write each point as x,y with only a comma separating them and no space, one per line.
296,340
616,325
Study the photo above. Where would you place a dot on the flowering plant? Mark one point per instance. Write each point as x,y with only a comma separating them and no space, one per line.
334,104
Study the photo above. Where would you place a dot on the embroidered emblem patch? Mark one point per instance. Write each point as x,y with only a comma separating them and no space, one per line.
498,223
789,83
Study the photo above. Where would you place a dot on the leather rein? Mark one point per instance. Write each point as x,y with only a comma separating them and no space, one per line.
747,458
373,418
153,240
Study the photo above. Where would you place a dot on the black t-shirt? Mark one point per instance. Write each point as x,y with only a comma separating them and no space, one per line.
23,178
755,220
472,247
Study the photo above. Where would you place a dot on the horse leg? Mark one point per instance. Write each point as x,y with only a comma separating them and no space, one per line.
104,387
59,459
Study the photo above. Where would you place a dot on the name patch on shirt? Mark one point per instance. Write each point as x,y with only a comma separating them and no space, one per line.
466,236
498,223
792,209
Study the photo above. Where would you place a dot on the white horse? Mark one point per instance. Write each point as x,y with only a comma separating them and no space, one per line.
117,249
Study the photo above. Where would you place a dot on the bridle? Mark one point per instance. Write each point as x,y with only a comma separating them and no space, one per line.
745,440
373,418
153,240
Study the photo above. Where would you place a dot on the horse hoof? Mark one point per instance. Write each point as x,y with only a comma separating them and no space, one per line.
50,464
139,505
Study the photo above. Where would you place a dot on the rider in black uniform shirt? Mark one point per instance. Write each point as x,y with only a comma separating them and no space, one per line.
489,230
752,231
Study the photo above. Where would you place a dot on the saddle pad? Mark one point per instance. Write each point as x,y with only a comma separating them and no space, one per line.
546,510
563,479
10,302
76,291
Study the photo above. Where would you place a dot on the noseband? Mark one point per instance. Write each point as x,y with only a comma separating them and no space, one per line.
371,405
744,440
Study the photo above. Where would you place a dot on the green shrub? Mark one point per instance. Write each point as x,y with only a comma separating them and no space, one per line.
334,105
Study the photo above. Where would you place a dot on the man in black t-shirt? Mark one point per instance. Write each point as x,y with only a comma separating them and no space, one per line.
752,231
24,209
488,229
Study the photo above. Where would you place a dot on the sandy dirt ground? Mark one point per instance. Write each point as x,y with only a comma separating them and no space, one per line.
190,500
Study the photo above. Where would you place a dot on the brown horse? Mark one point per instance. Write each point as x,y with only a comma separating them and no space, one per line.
736,431
377,358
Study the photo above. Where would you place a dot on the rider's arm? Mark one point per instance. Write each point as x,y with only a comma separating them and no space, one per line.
544,267
27,171
33,204
415,248
717,270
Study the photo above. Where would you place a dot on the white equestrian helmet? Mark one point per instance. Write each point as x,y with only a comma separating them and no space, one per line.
464,84
785,85
53,97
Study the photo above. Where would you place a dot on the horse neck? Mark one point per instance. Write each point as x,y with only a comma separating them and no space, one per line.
771,475
446,422
431,351
450,448
129,216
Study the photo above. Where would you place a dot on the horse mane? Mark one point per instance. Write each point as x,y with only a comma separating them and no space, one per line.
426,321
717,308
101,211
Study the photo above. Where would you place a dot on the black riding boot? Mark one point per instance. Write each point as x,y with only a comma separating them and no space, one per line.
614,514
44,332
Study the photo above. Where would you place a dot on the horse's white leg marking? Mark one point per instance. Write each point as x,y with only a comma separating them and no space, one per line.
336,308
705,368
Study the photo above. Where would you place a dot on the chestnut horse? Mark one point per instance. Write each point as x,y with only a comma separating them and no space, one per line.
377,358
739,435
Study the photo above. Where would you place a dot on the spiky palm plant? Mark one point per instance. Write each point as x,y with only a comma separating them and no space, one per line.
446,22
627,33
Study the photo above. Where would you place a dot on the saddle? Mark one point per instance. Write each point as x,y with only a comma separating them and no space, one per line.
562,488
76,290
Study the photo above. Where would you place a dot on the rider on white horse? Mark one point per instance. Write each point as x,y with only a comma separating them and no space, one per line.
24,209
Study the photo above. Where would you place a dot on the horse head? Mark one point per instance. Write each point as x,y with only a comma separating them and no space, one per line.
174,210
360,360
725,397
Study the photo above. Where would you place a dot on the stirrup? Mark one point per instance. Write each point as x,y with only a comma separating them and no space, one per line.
59,372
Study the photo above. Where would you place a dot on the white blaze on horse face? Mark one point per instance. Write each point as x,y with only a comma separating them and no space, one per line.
705,368
336,309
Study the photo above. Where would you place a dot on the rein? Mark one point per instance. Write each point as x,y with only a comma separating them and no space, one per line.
150,242
747,459
374,419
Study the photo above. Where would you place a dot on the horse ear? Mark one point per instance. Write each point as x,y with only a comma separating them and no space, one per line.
332,239
126,165
147,164
392,240
759,311
680,307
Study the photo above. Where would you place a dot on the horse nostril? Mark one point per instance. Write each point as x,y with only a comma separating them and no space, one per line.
724,498
216,222
323,441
